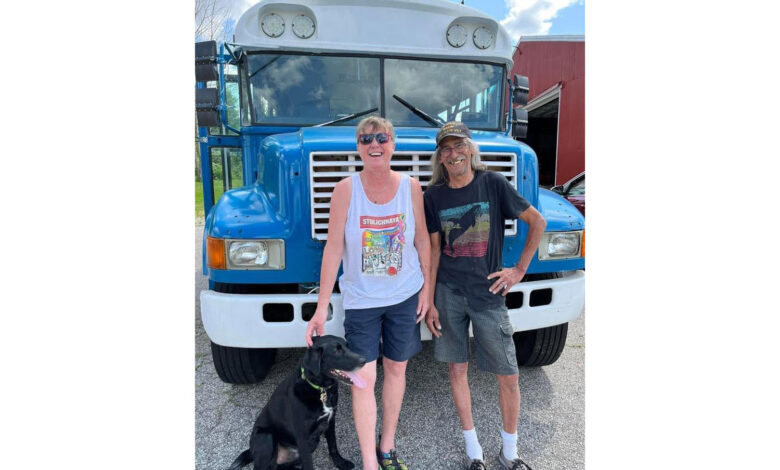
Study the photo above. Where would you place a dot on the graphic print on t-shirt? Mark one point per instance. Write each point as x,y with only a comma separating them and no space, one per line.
383,244
466,230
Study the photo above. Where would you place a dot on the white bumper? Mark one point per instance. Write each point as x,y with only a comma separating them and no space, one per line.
236,320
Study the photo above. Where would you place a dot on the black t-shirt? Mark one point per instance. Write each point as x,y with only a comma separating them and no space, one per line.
470,221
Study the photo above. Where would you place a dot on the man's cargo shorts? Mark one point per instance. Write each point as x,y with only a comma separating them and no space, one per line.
492,329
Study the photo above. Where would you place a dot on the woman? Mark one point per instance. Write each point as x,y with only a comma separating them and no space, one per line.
377,227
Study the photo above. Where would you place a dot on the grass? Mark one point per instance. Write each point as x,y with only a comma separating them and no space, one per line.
199,200
218,190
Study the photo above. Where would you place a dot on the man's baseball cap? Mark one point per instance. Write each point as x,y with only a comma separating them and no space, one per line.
452,129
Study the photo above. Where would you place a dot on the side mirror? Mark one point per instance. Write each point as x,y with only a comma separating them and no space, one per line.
519,123
207,107
206,61
520,91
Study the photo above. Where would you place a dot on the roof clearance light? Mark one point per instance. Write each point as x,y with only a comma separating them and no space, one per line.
457,35
303,26
273,25
483,37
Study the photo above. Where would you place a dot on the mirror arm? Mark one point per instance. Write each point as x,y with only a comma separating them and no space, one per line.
222,89
509,113
223,115
230,51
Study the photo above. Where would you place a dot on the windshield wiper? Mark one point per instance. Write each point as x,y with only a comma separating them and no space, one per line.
419,112
346,118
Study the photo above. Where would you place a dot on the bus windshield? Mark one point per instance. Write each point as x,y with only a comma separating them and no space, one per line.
450,91
305,90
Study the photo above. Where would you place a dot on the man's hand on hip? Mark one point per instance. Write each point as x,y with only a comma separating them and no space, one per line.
505,279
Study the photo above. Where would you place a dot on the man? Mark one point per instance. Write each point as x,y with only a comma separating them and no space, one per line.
465,208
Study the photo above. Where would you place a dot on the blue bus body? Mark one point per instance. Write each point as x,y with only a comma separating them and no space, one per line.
287,170
275,205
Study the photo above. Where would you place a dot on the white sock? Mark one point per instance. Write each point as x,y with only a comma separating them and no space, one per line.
473,449
510,445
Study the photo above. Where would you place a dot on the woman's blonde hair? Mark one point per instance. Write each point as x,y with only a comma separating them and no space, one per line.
439,173
375,122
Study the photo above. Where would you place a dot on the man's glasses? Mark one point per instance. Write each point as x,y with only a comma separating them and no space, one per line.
381,137
446,151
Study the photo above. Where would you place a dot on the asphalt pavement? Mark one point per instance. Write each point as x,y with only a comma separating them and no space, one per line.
551,430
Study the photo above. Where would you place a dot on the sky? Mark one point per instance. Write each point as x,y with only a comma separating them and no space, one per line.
535,17
519,17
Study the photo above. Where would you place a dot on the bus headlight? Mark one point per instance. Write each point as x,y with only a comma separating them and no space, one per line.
255,254
560,245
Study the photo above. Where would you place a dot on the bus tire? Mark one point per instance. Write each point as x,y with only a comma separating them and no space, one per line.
542,347
242,365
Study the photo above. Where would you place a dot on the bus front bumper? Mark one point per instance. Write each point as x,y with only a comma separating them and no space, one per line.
237,320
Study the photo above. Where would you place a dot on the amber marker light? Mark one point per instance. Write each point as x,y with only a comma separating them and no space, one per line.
215,253
582,245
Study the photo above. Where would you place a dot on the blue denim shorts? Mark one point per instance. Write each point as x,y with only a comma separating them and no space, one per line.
395,325
495,349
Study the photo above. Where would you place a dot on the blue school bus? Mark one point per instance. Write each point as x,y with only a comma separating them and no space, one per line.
277,108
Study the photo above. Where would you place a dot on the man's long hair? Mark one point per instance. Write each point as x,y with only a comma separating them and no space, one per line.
440,175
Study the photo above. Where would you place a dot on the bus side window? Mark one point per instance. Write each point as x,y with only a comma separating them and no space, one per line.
226,169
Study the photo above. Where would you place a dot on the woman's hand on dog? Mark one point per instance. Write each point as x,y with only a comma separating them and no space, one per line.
316,325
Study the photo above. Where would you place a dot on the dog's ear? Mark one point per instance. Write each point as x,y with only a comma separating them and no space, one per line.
312,359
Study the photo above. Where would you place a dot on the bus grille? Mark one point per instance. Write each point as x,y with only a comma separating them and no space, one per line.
328,168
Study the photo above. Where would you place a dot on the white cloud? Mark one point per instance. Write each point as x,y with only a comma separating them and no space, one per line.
531,17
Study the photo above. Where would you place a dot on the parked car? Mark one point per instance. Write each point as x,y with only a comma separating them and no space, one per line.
574,191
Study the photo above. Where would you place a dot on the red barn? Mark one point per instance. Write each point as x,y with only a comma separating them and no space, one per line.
555,67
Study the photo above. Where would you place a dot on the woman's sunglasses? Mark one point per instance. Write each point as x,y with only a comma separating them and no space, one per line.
381,137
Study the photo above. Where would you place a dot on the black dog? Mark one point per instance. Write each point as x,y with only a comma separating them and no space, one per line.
301,408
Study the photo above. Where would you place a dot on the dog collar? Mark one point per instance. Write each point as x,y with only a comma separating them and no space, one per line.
323,390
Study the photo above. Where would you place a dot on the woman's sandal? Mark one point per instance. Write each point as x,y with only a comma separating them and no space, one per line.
390,460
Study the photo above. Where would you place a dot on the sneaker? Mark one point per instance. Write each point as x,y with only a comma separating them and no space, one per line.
475,464
390,460
515,464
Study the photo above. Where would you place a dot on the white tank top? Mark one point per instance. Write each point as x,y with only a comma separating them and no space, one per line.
381,266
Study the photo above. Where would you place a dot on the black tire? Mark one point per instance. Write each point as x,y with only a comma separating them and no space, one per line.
542,347
242,365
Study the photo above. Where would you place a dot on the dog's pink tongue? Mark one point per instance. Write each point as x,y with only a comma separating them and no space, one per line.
356,380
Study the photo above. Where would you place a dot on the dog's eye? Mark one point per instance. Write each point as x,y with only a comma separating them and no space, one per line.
339,348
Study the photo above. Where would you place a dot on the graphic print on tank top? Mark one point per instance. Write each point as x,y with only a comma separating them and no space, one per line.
383,244
466,230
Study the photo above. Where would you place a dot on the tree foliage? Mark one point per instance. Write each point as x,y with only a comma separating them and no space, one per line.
213,20
210,18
